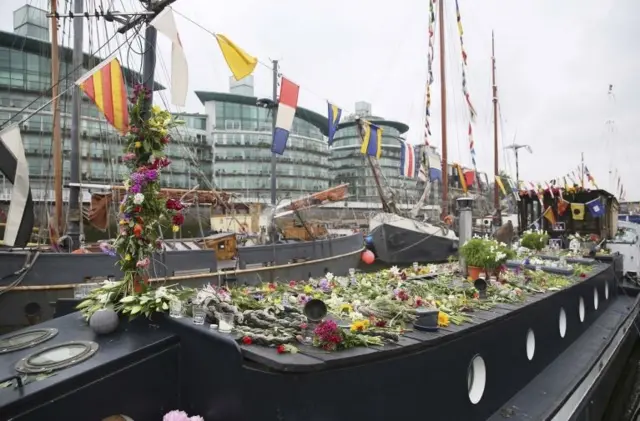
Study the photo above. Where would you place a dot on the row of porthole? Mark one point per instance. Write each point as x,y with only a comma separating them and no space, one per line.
477,372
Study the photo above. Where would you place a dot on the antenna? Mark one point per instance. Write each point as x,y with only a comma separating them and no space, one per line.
516,147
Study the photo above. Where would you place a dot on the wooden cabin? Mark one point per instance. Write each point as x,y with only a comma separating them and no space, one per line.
531,211
224,244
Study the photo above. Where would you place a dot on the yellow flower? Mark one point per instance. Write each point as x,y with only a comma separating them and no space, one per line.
175,228
443,319
155,109
127,257
121,209
123,222
346,308
127,184
138,144
308,289
359,325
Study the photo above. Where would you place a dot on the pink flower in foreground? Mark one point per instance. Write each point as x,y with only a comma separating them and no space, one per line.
176,416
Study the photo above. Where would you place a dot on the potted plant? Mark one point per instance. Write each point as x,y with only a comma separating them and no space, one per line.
484,254
534,239
474,254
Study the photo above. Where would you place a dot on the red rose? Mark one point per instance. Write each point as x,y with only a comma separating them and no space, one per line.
583,275
247,340
381,323
174,204
281,349
137,209
178,219
304,326
292,284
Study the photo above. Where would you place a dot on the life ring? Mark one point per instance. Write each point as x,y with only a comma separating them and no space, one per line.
448,220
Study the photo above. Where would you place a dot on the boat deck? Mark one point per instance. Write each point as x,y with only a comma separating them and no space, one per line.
310,358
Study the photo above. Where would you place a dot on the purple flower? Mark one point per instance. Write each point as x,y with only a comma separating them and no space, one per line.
151,175
324,284
138,178
136,188
258,296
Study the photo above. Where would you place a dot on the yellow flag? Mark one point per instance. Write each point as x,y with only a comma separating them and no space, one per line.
500,185
551,217
463,182
577,211
240,63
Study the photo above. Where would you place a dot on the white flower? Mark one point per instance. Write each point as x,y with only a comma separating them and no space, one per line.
329,276
394,270
138,198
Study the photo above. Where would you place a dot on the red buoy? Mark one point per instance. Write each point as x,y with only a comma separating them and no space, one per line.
368,257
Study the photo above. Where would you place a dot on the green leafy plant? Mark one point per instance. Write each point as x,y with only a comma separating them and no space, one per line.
535,240
486,253
474,252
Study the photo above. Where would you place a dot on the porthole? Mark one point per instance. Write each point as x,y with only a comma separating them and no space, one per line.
581,309
562,322
57,357
596,299
531,344
476,379
606,290
26,339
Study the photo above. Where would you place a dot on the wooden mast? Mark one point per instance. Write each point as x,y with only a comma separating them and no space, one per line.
57,142
443,106
496,193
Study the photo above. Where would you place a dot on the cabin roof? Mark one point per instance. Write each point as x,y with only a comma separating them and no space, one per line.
42,48
318,120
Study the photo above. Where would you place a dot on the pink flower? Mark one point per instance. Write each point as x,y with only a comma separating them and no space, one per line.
143,263
176,416
196,418
129,156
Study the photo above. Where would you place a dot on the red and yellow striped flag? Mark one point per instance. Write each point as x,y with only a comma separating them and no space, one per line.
104,84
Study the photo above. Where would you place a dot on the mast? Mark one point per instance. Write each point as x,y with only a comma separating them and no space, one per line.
496,171
582,170
74,192
443,105
273,128
57,141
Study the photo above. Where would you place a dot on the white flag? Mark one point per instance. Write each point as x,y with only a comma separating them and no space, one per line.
13,164
166,25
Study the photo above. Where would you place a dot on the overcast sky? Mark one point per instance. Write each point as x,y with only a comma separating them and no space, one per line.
555,61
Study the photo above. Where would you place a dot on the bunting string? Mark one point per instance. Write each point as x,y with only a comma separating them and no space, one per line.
424,167
465,89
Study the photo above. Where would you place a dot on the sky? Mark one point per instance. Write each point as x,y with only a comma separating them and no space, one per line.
554,61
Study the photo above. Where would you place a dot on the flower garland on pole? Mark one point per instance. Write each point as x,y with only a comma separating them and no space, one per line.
143,210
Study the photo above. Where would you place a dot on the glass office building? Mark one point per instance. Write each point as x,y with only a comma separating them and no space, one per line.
242,134
25,73
351,166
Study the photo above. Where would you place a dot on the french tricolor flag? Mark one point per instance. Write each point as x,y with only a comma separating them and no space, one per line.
407,160
286,111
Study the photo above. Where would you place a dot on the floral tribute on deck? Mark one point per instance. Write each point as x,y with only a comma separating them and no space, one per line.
363,309
143,213
143,210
